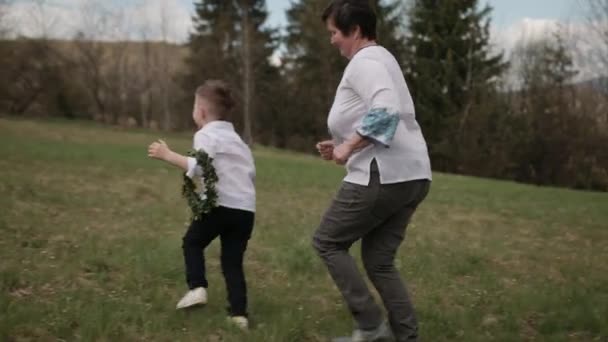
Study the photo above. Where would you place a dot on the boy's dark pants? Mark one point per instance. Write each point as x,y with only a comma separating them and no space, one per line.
234,228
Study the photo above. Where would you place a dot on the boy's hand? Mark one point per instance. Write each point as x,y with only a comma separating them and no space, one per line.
159,150
326,149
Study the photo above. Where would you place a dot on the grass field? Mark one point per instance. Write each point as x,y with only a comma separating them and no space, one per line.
90,249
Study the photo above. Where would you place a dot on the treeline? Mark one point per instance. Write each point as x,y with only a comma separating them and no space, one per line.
520,117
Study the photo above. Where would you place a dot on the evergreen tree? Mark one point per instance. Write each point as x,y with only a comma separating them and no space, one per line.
230,42
390,26
448,67
312,69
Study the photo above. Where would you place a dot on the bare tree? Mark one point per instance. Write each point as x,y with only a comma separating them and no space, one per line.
5,26
597,55
42,24
90,55
247,60
30,64
596,12
165,70
144,79
120,72
90,59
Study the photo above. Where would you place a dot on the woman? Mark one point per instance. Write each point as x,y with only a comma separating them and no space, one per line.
376,136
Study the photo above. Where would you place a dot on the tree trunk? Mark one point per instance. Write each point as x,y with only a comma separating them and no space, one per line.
247,74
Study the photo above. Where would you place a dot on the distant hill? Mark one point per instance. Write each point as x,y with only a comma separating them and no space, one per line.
598,84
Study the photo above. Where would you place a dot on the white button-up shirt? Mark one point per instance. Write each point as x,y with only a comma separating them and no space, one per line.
232,161
373,100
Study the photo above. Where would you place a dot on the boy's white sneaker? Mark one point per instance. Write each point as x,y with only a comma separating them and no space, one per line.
240,321
197,296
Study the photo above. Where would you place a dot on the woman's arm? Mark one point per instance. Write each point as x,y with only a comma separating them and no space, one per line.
354,143
374,85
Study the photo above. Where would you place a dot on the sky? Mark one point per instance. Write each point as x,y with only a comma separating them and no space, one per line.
512,20
506,13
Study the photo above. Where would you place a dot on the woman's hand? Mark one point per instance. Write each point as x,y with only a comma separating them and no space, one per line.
159,150
326,149
342,152
355,143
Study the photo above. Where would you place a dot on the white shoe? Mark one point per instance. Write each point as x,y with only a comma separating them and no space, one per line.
197,296
380,334
240,321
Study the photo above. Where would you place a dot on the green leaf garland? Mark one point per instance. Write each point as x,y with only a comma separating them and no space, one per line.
198,205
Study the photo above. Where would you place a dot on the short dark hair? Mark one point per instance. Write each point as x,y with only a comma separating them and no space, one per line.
348,14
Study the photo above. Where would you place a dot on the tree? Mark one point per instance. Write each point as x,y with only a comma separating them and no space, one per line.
449,65
597,23
165,68
596,54
547,104
390,26
230,42
92,57
5,26
312,70
561,142
30,66
154,83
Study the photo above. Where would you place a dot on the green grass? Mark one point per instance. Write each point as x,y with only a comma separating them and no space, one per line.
90,249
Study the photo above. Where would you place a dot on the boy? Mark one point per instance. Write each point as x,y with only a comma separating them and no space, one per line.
232,220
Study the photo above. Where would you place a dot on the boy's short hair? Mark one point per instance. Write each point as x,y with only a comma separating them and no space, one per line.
219,96
348,14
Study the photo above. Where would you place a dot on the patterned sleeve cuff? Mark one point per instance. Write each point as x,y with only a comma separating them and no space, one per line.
379,124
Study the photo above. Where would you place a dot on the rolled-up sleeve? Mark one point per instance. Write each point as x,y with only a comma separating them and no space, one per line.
203,142
374,85
380,125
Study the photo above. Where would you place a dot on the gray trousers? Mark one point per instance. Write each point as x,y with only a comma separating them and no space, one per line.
378,215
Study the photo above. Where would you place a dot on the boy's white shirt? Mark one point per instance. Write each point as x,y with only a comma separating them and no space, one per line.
233,164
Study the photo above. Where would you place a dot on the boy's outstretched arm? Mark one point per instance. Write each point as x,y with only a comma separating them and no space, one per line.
160,150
